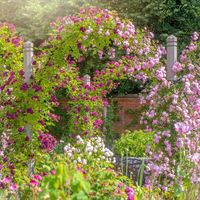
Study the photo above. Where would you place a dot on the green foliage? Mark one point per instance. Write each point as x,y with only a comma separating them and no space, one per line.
110,118
133,144
32,17
127,86
163,17
60,128
11,55
67,183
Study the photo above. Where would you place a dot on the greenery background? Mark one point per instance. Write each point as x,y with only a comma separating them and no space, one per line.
163,17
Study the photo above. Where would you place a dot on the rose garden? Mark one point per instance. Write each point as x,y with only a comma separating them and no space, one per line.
56,141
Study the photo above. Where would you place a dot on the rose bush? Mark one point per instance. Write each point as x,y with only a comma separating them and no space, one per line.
173,115
23,105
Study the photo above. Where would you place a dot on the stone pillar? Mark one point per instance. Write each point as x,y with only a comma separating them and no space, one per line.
171,56
28,71
28,59
87,79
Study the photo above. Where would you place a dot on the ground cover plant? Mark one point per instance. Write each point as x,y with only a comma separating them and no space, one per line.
79,166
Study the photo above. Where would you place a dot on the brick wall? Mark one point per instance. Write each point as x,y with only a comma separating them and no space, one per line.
128,113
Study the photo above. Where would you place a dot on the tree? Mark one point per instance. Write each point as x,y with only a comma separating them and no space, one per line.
32,17
163,17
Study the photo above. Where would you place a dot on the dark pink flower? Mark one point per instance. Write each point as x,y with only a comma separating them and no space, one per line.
13,187
98,123
24,87
82,29
37,177
16,41
30,111
85,118
41,122
34,183
37,88
27,138
8,126
130,193
48,142
54,117
34,62
20,129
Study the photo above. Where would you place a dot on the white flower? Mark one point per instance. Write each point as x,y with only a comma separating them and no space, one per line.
67,148
75,161
89,147
79,160
88,144
100,31
107,33
84,161
80,141
78,137
69,154
195,157
101,145
73,149
95,150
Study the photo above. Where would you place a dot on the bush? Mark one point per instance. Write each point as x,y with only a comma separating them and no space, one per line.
133,143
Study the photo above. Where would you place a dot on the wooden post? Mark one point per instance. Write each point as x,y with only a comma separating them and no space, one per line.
171,56
28,71
87,79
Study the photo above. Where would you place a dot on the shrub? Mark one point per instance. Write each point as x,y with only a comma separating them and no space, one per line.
133,143
173,115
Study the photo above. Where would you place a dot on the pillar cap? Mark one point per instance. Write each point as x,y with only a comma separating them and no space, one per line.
28,44
172,38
